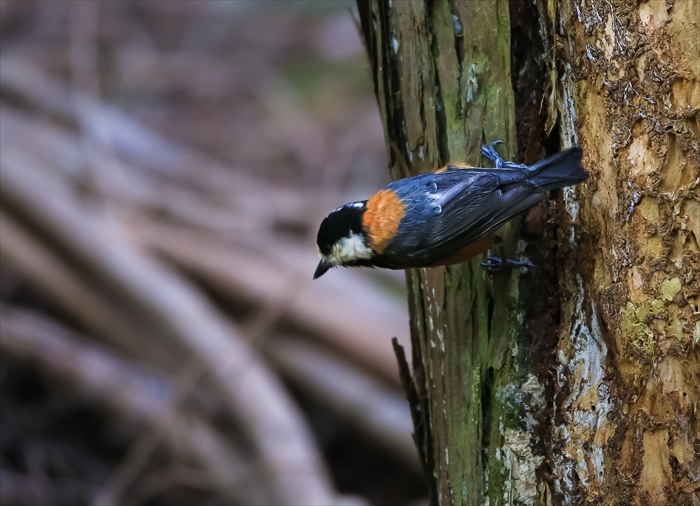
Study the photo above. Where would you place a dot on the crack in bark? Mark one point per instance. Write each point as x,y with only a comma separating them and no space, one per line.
441,133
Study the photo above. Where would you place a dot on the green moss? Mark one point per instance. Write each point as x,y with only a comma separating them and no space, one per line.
657,307
448,95
669,289
675,328
648,309
639,338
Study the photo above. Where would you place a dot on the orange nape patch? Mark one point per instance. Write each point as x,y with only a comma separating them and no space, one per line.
470,251
381,219
455,166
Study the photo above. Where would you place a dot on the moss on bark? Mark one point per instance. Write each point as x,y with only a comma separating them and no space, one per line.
443,82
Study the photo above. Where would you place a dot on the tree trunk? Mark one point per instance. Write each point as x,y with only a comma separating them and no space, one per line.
577,381
443,81
626,428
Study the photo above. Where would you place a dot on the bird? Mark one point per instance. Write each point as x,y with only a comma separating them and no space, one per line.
443,217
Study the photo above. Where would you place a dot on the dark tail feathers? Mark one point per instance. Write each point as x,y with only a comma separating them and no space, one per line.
559,170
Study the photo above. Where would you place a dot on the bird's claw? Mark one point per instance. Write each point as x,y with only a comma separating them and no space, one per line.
498,264
490,153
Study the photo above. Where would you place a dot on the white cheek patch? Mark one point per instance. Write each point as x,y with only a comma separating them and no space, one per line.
348,249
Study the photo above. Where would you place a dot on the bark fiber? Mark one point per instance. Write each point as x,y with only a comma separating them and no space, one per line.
626,429
577,382
443,82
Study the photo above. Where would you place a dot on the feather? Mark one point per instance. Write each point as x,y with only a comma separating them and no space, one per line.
450,209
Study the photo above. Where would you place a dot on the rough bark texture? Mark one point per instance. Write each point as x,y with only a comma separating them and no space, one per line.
577,382
442,73
628,380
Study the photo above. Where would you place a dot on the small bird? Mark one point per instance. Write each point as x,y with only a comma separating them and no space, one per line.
443,217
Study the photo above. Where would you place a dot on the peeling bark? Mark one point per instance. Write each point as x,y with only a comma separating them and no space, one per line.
628,382
579,381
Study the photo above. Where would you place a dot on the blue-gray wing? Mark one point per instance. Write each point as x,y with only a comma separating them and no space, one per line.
448,210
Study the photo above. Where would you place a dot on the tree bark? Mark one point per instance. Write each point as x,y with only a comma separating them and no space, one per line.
443,82
626,428
577,381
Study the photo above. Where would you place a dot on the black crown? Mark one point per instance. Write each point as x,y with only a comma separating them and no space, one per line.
339,224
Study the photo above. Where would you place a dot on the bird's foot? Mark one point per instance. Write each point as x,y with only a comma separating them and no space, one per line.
499,264
490,153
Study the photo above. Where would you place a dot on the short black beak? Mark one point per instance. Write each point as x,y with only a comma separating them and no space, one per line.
322,268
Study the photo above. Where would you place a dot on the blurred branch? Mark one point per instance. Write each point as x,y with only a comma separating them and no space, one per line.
134,142
133,392
147,442
376,411
329,308
193,190
160,481
233,271
48,273
122,230
85,81
84,19
21,489
149,289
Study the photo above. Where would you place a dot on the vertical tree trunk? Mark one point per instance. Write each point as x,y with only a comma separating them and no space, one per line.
443,82
626,429
578,381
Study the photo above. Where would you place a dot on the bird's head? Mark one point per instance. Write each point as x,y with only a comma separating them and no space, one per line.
342,239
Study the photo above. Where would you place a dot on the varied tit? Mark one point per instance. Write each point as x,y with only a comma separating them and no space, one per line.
443,217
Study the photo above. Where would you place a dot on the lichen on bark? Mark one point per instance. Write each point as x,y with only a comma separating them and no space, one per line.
580,381
443,82
625,428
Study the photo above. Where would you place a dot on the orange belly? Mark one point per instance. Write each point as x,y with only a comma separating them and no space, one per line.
470,251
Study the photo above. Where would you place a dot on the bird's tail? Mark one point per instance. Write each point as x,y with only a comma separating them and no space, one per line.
559,170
